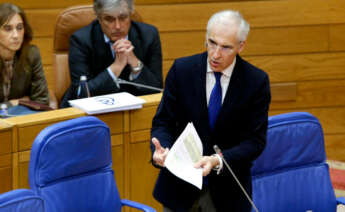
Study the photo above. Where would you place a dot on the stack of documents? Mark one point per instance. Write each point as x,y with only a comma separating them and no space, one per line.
108,103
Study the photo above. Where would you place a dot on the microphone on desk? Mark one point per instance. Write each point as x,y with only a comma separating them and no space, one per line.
219,152
125,82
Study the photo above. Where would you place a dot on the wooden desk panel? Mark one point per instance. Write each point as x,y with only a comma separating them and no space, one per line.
142,174
5,138
115,121
5,172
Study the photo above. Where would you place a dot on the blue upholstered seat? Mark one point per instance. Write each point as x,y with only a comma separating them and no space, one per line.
70,168
291,174
21,200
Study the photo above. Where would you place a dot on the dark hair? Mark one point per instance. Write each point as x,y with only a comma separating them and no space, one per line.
7,11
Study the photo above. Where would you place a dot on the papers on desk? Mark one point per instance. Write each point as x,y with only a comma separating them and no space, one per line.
186,151
108,103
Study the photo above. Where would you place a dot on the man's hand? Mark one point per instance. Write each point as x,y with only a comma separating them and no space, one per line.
123,48
160,153
128,48
207,163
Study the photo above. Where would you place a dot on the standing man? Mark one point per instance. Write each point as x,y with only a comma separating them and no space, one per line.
113,47
227,99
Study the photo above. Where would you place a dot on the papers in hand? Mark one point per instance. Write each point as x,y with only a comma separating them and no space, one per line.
108,103
186,151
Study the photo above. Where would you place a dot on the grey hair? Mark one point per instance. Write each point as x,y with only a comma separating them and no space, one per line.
230,16
101,6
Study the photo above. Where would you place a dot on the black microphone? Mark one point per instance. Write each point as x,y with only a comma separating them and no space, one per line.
219,152
121,81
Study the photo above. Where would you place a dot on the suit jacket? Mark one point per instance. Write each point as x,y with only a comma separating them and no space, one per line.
28,78
89,55
239,131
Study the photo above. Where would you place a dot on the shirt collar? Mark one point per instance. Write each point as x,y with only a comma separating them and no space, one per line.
227,72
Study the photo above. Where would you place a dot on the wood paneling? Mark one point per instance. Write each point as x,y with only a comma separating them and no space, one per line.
314,94
5,160
28,134
114,122
191,17
283,92
5,142
6,179
141,119
142,174
140,136
336,11
34,4
47,4
301,67
43,21
118,167
261,41
337,38
45,44
335,146
23,175
287,40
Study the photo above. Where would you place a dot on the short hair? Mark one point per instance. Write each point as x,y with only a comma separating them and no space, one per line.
230,16
101,6
7,11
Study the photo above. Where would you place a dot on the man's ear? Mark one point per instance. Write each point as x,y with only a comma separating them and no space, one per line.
242,44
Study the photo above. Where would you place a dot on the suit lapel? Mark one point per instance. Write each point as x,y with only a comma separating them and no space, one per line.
101,47
200,90
134,37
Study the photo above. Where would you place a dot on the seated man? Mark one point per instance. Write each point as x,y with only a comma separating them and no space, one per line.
113,47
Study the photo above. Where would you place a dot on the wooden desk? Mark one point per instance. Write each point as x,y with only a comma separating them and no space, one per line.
6,147
130,144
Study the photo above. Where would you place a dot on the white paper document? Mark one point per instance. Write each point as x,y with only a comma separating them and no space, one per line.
186,151
108,103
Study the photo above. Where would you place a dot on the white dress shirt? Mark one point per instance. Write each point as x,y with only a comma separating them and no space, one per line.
224,80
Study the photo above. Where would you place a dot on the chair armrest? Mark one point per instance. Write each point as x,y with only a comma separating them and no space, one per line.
137,205
341,200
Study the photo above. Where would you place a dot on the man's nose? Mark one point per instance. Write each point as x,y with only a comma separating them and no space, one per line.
217,52
117,24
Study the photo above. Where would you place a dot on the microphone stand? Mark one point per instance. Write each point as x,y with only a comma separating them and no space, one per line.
121,81
219,152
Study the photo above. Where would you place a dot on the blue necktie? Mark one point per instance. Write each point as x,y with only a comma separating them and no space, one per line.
215,102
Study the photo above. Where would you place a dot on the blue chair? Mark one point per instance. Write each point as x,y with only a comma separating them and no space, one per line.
70,168
291,174
21,200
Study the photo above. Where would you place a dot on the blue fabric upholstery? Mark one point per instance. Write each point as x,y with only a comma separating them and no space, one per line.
21,200
291,174
70,167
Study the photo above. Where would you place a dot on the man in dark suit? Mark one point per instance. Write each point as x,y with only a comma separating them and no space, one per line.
113,47
227,100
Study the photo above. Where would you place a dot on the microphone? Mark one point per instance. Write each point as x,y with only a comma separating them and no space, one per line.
219,152
121,81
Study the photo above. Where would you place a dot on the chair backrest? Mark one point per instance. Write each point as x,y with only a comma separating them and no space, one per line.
69,21
291,174
70,167
21,200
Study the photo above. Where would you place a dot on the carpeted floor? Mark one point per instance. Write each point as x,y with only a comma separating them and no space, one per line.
337,172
